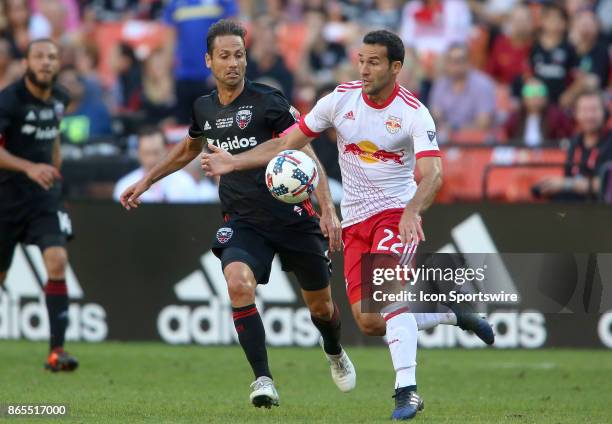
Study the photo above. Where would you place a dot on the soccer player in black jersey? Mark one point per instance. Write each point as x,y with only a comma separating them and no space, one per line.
238,116
30,205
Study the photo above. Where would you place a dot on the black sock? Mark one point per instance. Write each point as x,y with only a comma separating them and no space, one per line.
56,296
252,338
330,331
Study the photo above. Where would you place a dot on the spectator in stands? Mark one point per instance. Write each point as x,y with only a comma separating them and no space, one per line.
86,60
552,57
492,12
207,188
592,56
129,79
537,121
178,187
158,96
190,20
589,153
23,26
383,15
463,99
10,69
431,26
264,61
113,10
509,57
62,15
86,116
324,57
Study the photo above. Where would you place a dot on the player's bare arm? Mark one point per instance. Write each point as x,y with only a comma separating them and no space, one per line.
430,169
329,222
220,162
41,173
57,153
178,158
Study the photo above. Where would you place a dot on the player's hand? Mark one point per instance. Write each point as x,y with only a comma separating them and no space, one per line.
410,229
130,198
43,174
331,229
218,162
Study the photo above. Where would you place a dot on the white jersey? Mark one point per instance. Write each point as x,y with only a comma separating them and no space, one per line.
377,144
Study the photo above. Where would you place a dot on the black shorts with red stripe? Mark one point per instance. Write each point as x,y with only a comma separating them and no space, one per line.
302,249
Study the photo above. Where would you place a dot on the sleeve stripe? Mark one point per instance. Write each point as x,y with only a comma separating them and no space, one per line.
307,131
428,153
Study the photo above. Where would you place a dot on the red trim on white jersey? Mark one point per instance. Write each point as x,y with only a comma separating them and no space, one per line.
344,87
428,153
307,131
408,100
385,103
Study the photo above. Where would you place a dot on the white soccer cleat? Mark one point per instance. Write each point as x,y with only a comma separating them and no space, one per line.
342,370
264,393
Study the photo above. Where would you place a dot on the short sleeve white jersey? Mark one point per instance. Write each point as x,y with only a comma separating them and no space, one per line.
378,145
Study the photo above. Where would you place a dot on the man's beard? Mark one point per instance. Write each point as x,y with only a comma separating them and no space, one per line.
38,83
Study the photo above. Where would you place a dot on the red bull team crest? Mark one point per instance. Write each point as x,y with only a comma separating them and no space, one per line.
393,124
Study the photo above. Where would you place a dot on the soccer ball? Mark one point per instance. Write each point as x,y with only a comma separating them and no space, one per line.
291,176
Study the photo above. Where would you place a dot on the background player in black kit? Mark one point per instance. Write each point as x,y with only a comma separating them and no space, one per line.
30,204
237,116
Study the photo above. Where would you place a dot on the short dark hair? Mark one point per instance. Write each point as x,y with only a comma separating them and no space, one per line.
150,130
223,27
37,41
394,44
554,7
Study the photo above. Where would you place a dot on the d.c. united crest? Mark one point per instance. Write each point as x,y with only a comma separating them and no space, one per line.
224,234
243,117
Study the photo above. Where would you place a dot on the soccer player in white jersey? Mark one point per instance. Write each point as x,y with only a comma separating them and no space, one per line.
383,132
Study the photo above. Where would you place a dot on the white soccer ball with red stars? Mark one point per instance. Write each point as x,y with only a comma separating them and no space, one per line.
292,176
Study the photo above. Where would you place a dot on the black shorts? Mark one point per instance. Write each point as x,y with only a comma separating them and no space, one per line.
302,250
32,220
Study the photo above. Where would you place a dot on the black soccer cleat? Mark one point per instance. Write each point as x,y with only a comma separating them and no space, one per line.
60,360
468,320
407,404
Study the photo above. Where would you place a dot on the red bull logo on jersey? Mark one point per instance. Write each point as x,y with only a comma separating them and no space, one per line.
393,124
369,152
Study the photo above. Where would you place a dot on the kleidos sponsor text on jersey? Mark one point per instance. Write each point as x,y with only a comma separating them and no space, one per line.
233,143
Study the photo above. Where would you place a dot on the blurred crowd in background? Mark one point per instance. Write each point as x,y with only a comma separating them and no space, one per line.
492,72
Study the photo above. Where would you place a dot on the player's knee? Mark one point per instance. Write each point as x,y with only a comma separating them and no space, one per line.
240,288
321,309
371,324
56,259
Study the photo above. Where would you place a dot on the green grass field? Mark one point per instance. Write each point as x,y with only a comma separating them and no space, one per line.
152,382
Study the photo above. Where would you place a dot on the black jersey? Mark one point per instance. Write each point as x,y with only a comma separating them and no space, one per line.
29,127
257,115
553,67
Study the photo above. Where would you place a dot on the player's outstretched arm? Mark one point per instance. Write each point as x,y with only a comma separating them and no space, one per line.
329,222
430,168
220,162
43,174
178,158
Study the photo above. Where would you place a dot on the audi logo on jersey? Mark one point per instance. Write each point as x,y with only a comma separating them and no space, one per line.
233,143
